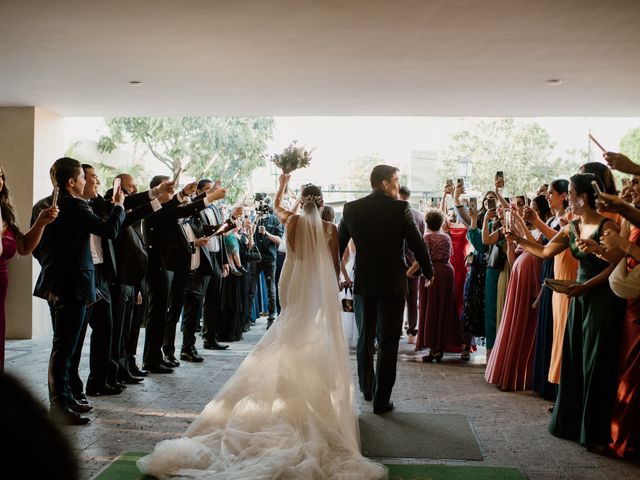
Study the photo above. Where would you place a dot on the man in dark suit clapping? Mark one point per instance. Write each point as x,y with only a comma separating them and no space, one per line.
380,225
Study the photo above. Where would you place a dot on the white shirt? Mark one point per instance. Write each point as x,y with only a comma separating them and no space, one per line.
95,243
214,242
191,237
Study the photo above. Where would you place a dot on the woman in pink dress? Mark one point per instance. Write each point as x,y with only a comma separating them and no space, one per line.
14,241
510,365
439,326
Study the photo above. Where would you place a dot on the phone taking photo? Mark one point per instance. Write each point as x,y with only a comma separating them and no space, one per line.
460,183
473,203
500,176
491,203
54,197
596,187
116,184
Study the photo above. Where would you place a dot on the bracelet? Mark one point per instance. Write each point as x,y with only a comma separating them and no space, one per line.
459,206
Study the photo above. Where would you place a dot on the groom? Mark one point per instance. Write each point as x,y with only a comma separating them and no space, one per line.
379,225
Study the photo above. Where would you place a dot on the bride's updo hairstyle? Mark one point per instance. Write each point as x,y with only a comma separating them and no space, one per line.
311,194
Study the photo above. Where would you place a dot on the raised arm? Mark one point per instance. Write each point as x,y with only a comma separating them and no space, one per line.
557,244
461,209
282,213
493,237
27,243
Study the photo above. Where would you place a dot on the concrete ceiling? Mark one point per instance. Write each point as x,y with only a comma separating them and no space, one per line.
334,57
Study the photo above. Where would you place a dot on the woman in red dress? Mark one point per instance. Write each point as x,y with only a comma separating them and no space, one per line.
15,241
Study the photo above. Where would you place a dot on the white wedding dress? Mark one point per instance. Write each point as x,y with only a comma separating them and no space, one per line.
288,411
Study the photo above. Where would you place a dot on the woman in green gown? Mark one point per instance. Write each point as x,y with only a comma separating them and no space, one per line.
589,357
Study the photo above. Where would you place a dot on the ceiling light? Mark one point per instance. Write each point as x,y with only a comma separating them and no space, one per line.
553,81
135,83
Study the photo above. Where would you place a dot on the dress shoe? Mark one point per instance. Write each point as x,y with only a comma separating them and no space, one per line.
171,361
191,356
269,323
367,397
103,390
66,416
384,409
214,346
136,372
81,398
80,407
129,379
159,368
235,273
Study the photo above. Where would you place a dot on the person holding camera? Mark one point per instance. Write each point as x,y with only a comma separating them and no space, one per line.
267,237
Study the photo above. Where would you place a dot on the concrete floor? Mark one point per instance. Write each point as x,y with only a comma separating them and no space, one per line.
511,427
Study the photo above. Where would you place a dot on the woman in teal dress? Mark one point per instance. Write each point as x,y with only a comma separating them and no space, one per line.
589,356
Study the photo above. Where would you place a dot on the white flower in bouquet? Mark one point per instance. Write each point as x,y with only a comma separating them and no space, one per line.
292,158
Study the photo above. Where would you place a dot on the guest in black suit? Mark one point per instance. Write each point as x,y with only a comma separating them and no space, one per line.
212,286
68,279
379,225
169,254
409,257
75,382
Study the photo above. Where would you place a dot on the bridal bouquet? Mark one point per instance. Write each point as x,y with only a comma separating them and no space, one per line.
292,158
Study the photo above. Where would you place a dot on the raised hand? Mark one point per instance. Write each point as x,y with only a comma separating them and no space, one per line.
284,179
217,194
237,212
118,197
166,188
610,203
48,215
621,162
589,245
201,242
190,188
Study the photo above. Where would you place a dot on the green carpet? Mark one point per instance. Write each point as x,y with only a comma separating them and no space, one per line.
418,435
124,468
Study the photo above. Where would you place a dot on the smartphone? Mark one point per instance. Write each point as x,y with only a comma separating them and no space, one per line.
597,143
491,203
521,201
500,176
507,219
54,197
596,187
116,184
434,201
176,177
449,182
460,183
473,203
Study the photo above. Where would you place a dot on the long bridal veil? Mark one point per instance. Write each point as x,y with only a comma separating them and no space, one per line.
288,411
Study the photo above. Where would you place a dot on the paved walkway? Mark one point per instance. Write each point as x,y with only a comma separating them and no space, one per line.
511,427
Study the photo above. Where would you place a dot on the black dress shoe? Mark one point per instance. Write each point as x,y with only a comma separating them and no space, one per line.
367,397
191,356
384,409
136,372
214,346
66,416
129,379
81,398
80,407
159,368
103,390
170,361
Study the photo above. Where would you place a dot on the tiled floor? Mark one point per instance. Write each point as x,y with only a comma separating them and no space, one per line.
511,427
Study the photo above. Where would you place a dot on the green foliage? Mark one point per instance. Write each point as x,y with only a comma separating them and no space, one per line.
521,150
630,144
360,171
226,148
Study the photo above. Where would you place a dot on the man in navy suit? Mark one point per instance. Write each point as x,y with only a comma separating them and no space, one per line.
67,279
380,225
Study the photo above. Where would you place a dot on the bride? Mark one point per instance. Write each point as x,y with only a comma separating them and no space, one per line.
288,411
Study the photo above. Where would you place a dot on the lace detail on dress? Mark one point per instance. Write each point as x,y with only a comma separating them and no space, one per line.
439,245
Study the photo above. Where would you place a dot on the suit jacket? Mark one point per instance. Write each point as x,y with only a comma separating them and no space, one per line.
379,226
419,218
218,259
67,267
165,240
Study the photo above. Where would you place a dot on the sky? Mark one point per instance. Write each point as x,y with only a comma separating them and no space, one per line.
335,140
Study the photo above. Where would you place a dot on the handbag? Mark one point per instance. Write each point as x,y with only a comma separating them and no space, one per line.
347,303
496,257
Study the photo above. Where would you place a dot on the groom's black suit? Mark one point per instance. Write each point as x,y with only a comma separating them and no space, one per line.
379,226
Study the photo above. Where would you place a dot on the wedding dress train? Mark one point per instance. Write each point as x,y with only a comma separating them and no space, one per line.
288,411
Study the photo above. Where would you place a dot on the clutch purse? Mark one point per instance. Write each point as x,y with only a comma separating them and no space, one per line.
560,286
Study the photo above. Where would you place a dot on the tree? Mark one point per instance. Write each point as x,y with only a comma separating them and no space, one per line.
630,144
226,148
521,150
360,172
